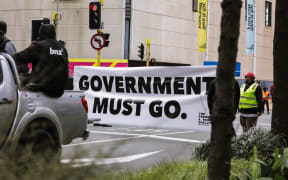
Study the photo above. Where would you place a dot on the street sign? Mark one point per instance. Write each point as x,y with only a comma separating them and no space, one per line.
97,41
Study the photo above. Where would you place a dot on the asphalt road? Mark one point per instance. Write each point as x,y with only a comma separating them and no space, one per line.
134,148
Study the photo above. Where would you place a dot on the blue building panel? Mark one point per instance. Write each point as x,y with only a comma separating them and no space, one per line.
237,68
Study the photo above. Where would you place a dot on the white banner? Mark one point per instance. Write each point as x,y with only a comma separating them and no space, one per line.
156,97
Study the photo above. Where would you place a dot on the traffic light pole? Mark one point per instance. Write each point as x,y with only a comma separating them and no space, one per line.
56,22
98,58
148,52
98,52
100,38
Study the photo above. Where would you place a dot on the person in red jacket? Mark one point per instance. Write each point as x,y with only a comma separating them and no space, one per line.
271,89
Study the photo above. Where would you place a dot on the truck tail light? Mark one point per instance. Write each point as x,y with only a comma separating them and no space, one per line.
84,103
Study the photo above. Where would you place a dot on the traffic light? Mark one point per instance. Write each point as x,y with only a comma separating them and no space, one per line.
95,15
106,36
141,51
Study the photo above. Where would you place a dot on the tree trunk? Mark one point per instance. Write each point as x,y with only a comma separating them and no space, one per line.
219,161
280,93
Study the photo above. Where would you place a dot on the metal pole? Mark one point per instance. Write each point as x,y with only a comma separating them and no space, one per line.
57,6
148,52
207,33
98,52
56,25
98,58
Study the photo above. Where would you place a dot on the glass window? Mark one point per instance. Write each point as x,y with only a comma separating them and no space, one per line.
195,5
268,13
35,26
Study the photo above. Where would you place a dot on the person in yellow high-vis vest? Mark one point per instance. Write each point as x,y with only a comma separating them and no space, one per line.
250,104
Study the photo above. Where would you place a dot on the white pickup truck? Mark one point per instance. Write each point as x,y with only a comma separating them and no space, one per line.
31,118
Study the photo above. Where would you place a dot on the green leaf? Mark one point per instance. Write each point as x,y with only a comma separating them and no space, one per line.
265,178
255,166
261,162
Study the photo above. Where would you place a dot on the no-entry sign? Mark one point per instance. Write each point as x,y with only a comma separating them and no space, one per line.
97,41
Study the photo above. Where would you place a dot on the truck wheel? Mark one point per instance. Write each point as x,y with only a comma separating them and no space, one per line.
37,145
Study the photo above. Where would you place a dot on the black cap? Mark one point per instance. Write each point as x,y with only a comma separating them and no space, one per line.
46,31
3,26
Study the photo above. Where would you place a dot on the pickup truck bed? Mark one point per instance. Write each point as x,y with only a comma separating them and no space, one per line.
31,117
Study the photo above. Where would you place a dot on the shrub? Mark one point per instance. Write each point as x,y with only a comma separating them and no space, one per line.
268,169
242,146
202,151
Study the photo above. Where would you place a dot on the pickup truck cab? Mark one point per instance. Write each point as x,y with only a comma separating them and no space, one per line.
35,120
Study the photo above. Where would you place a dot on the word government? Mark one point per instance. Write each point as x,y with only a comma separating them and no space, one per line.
147,85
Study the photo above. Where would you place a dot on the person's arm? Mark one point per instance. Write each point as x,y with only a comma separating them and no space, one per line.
10,48
237,95
26,56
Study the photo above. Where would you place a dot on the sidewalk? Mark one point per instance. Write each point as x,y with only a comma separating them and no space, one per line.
264,121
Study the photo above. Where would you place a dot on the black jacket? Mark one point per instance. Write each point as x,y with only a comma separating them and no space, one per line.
211,95
3,41
258,94
49,60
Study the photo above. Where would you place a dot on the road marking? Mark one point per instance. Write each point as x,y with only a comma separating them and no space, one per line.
103,161
117,129
139,130
176,139
159,130
102,141
136,136
181,132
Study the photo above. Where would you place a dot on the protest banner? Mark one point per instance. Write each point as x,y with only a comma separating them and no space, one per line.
157,97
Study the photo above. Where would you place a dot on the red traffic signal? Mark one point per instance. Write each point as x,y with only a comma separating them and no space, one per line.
95,15
93,7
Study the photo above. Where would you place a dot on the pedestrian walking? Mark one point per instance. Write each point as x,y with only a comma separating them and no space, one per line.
5,44
250,105
265,95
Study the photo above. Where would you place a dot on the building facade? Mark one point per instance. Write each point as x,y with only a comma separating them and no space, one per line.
171,26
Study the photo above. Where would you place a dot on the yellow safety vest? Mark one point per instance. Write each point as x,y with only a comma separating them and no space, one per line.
248,97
